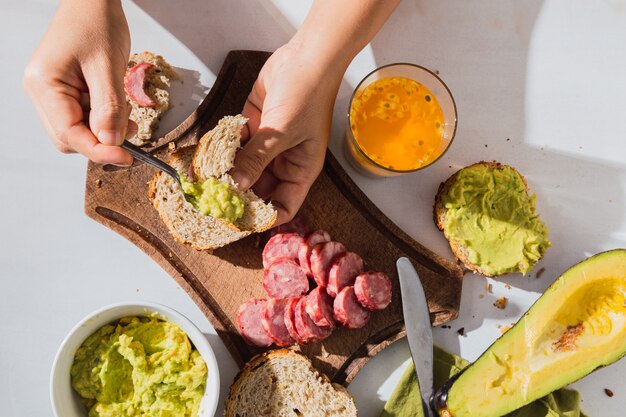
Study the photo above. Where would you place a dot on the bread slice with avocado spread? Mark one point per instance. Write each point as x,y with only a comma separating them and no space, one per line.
487,214
283,383
186,218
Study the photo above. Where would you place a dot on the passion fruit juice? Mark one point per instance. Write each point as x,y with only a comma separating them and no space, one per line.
398,123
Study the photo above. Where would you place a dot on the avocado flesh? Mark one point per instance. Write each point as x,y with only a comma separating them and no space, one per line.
577,326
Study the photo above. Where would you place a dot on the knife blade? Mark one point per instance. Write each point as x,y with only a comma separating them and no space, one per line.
418,330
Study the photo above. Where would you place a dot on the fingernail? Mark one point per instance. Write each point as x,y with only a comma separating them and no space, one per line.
124,165
240,180
110,137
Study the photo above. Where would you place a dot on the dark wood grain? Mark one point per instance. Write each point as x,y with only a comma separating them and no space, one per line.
219,282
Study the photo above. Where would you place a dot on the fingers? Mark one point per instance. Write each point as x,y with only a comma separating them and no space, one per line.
81,139
260,150
253,114
287,199
108,118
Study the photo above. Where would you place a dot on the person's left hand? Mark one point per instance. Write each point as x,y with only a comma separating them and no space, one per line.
289,111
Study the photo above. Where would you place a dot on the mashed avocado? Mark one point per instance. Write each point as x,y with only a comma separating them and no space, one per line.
490,213
214,198
140,366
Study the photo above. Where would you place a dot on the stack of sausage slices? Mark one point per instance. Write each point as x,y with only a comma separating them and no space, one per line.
342,294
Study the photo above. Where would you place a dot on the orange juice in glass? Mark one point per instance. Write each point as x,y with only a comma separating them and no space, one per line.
402,118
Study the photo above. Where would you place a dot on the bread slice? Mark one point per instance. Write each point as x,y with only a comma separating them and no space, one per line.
283,383
440,211
185,223
156,86
215,156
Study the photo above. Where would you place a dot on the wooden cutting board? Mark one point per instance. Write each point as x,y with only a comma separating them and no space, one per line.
221,281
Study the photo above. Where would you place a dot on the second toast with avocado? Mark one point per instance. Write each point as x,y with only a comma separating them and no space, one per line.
487,213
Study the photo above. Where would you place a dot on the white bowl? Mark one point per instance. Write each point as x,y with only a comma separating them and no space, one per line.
66,402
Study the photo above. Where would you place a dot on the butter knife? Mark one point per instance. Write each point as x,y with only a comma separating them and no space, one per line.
418,330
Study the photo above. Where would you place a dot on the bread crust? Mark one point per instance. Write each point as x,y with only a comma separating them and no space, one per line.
439,215
260,359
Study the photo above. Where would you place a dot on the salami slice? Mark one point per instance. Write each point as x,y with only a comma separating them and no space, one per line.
343,272
296,225
310,240
290,325
319,306
348,311
134,83
273,321
305,327
284,278
322,257
282,245
373,290
249,323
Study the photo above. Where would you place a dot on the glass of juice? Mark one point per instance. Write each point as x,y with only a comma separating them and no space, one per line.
402,118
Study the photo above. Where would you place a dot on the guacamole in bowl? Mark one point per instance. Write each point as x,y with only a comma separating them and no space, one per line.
135,360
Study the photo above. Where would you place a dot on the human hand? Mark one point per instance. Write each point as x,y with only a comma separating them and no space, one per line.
289,111
76,80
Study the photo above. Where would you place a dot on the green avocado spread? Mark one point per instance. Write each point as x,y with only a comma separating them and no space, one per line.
213,198
491,214
139,366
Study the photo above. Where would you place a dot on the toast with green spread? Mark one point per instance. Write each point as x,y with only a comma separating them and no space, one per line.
283,383
488,215
212,158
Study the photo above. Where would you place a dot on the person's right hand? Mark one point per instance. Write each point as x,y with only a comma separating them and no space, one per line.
76,80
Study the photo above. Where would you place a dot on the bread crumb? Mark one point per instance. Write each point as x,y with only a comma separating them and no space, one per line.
489,288
171,146
507,286
608,392
98,183
504,329
501,303
461,331
540,272
481,296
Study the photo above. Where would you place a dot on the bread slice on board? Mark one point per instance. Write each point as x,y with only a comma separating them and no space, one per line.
283,383
440,211
185,223
156,86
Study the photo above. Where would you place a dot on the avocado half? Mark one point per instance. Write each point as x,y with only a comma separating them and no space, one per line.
577,326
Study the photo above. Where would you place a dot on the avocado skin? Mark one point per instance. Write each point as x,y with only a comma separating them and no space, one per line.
441,397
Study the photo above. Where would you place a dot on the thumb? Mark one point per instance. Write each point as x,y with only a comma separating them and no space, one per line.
108,119
260,150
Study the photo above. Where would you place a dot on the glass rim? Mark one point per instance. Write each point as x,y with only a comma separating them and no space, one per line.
400,64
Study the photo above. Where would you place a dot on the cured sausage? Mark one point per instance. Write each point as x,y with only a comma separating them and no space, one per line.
282,245
305,327
289,319
284,278
249,323
273,321
322,257
343,272
134,83
319,306
310,240
373,290
348,311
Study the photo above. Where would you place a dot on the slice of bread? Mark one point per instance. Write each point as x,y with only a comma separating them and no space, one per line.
156,86
440,211
215,156
283,383
185,223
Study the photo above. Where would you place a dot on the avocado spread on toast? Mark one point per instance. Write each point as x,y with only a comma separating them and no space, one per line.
491,214
139,366
213,198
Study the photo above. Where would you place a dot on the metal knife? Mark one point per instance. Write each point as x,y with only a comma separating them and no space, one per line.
418,330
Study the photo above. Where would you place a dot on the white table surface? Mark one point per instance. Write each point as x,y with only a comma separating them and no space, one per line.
539,84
